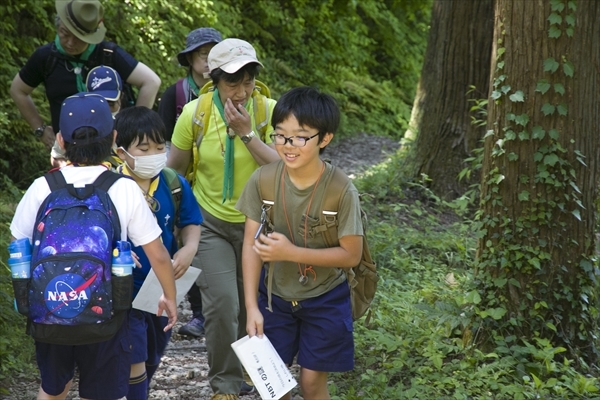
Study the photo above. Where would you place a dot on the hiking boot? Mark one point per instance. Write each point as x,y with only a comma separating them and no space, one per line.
246,389
221,396
195,327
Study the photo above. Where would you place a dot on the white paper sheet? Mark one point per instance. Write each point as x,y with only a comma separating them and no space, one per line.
150,292
268,372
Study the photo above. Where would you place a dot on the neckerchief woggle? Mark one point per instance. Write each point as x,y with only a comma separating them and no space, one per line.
77,66
229,153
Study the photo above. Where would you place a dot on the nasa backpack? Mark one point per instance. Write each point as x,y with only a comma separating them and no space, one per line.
73,298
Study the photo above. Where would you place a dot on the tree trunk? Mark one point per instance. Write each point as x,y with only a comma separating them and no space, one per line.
539,174
457,59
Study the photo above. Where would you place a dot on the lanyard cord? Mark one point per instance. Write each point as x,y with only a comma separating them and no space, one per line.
303,277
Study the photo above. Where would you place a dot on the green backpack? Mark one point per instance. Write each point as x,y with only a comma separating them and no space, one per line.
363,278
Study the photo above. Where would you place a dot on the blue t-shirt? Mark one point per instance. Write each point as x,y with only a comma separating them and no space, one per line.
189,214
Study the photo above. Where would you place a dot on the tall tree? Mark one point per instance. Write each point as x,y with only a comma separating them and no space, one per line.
539,174
457,59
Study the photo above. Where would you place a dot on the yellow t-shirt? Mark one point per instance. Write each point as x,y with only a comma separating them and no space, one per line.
208,186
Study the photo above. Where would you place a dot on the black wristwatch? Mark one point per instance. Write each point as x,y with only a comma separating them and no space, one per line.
247,138
38,132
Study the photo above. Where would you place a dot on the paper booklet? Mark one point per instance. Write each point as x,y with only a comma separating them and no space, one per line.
267,370
150,292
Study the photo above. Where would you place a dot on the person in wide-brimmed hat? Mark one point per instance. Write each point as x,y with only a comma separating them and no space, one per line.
62,65
198,44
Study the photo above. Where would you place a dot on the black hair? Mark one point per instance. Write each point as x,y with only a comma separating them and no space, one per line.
138,123
311,108
91,153
252,69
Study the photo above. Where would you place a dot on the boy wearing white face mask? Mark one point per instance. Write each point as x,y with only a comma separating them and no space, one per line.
141,146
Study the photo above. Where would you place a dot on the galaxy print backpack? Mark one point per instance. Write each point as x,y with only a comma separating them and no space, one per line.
73,298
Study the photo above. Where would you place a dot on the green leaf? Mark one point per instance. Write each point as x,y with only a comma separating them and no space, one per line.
568,69
570,19
496,95
570,31
522,119
550,65
496,313
517,96
575,187
557,5
510,135
473,297
535,262
542,86
562,109
524,135
512,156
555,19
514,282
538,133
576,214
500,65
548,109
551,159
501,50
554,32
553,134
572,5
524,196
505,89
551,326
559,88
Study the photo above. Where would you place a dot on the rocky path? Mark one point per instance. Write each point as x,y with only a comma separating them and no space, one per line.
183,372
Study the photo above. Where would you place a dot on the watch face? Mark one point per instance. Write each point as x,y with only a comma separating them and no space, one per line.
39,132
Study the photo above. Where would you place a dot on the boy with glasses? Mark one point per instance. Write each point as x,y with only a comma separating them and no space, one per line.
304,308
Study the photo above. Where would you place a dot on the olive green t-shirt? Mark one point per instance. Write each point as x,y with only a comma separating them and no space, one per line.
286,274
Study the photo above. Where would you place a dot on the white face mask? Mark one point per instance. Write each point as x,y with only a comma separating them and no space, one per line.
147,167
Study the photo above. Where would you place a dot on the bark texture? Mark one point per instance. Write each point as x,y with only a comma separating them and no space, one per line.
457,58
540,171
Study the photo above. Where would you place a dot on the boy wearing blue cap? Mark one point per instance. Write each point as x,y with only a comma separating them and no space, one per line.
87,136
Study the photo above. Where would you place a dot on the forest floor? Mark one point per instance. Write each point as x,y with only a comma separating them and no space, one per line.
183,372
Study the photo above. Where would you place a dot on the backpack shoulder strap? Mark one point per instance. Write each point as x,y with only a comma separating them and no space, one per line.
337,185
175,186
106,179
267,181
261,94
56,180
51,61
200,121
180,96
108,52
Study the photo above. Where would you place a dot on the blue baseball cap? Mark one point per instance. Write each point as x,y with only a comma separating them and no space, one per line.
105,81
196,38
85,110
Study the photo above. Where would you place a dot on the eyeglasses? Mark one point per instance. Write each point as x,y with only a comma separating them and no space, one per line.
296,141
203,55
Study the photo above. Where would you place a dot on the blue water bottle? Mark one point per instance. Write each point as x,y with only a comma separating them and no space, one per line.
19,261
122,260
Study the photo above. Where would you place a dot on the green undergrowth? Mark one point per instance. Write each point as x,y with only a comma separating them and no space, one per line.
420,343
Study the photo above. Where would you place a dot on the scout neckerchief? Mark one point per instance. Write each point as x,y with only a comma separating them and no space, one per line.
77,66
193,85
228,175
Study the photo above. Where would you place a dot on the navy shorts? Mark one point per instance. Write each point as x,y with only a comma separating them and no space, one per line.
98,364
320,332
147,337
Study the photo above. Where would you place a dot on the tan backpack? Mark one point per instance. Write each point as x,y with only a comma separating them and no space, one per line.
362,278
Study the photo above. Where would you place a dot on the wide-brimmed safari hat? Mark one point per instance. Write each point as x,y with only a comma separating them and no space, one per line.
83,18
196,39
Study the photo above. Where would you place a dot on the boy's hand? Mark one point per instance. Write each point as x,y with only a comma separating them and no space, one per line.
273,247
237,118
254,322
170,307
182,260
